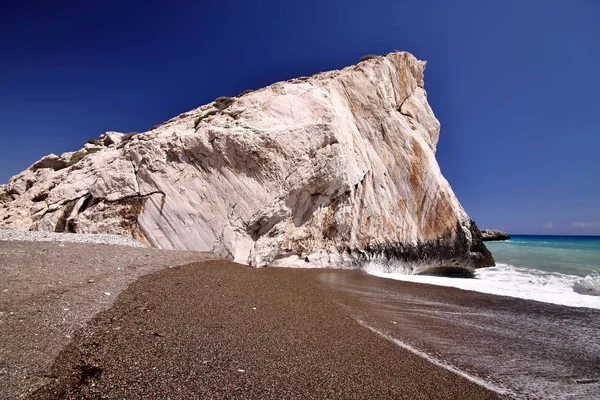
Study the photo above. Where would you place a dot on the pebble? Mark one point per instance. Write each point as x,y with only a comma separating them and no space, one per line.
36,236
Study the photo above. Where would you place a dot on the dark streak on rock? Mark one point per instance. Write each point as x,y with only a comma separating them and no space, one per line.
446,250
62,224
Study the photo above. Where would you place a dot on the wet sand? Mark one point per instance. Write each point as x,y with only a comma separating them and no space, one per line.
525,348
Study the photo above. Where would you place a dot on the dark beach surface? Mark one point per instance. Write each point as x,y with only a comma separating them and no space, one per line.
215,329
49,290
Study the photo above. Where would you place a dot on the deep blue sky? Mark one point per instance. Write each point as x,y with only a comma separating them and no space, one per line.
515,84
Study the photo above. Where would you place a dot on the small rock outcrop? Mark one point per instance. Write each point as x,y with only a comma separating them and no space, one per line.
489,235
449,272
337,169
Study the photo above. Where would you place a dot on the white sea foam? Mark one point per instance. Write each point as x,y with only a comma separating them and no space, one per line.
524,283
590,285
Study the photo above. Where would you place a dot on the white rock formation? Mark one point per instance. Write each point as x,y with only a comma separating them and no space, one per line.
335,169
489,235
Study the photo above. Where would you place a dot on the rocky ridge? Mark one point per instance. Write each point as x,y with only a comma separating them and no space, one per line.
488,235
337,169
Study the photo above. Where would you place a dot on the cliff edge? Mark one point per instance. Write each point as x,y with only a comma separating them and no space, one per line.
337,169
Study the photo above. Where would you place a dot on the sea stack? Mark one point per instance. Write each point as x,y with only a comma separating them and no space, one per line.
333,170
489,235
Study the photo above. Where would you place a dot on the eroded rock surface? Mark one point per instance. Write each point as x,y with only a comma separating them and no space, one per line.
489,235
336,169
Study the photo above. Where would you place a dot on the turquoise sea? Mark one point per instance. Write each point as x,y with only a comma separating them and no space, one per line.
570,255
553,269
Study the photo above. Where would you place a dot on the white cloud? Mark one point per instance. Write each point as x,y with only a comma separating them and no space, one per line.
585,224
547,226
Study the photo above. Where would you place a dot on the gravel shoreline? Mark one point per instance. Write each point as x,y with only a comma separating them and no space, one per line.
219,330
39,236
87,320
51,289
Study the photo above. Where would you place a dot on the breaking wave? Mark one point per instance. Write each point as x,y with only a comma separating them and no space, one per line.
590,285
508,280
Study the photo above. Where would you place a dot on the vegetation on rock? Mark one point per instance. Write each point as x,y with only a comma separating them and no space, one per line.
77,156
223,102
368,57
246,92
203,116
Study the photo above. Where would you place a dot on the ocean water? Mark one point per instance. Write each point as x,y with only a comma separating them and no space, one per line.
553,269
568,255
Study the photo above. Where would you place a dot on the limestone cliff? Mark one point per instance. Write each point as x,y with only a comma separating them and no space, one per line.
336,169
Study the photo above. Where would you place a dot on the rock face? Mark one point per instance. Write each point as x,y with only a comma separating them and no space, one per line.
337,169
489,235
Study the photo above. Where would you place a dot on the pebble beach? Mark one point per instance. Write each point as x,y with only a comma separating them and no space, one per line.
89,320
